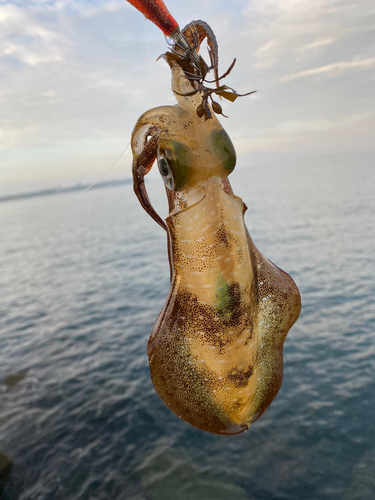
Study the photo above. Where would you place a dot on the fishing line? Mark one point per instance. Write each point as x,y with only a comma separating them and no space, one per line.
110,168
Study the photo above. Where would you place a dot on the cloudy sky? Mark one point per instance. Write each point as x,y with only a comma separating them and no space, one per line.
75,76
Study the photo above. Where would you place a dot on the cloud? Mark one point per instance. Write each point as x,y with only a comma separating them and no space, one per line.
292,33
17,21
316,125
72,87
26,39
317,135
316,44
333,69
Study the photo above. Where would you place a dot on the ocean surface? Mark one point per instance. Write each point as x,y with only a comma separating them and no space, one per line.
80,287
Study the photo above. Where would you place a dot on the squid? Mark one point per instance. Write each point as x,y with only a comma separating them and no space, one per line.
216,348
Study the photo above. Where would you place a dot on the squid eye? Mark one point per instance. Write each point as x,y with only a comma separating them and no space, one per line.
163,166
166,172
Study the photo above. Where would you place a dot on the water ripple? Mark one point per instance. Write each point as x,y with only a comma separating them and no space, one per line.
83,289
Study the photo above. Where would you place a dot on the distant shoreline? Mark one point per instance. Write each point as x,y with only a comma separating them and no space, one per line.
59,190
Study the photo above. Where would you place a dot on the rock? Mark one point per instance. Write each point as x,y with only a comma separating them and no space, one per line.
5,467
14,378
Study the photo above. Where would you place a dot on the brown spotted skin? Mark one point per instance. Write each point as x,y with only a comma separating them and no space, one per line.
215,350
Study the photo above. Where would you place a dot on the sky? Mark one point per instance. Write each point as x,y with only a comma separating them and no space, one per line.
76,75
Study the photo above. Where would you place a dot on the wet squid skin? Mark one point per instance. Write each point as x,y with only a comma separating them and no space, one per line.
215,350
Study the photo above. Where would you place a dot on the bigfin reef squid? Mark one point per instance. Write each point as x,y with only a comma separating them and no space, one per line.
216,349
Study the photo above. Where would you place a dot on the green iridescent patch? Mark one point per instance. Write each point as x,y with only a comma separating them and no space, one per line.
223,298
179,158
225,149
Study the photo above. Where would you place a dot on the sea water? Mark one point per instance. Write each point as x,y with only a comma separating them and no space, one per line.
81,285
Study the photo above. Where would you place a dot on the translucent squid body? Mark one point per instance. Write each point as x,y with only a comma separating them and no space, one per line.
215,350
